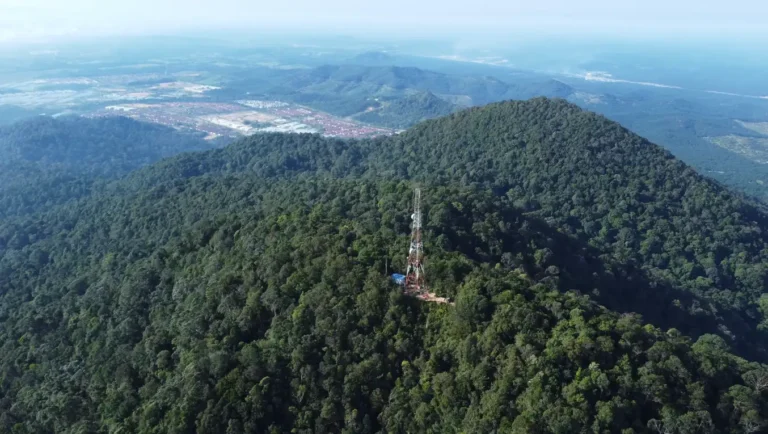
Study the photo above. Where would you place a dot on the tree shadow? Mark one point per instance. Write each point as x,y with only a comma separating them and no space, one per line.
622,287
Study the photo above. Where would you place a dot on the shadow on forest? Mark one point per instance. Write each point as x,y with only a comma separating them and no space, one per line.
620,287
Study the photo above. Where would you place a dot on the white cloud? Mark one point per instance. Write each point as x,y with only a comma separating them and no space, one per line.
608,78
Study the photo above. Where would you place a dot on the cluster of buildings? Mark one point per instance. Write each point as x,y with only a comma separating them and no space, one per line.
243,118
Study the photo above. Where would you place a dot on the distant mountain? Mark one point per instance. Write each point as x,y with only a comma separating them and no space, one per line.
373,58
244,289
391,81
526,89
58,158
347,90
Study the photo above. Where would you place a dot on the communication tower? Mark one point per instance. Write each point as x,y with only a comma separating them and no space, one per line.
415,282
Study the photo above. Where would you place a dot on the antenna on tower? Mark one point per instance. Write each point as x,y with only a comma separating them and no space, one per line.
415,281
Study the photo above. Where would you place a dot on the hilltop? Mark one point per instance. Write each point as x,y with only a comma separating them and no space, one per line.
405,112
600,284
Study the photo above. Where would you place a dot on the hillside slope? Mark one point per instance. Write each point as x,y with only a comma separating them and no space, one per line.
45,160
244,290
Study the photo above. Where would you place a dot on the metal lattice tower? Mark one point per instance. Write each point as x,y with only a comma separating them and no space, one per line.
415,282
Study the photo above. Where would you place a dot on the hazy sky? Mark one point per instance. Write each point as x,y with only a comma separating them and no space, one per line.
25,19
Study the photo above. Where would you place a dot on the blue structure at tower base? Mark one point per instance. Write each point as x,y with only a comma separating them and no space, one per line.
399,279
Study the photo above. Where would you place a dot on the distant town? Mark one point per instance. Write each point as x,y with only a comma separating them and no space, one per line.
242,118
178,102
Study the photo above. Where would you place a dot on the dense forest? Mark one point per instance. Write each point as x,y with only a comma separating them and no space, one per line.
684,125
600,285
45,160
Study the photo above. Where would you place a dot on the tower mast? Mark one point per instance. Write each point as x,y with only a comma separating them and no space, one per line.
415,282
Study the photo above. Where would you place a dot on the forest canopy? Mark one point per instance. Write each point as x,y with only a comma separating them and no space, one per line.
600,285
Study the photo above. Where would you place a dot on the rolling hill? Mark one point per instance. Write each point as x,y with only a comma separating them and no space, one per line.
407,111
45,160
600,284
